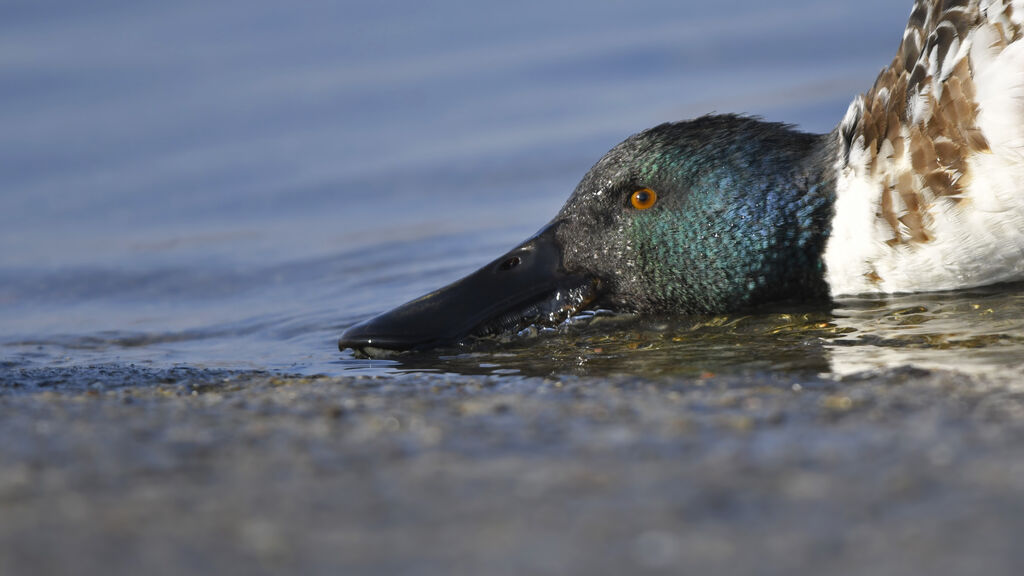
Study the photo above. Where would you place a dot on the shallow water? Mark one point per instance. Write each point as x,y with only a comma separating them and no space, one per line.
978,332
232,186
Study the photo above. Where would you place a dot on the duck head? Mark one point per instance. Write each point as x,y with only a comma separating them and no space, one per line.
706,216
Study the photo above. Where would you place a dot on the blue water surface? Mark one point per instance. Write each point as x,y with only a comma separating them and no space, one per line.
231,184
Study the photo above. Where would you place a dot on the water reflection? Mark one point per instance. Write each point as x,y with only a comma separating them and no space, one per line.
979,331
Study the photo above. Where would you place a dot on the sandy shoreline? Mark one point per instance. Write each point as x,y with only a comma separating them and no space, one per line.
128,470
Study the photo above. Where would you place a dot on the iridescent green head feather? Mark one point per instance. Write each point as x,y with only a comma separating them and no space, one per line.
741,217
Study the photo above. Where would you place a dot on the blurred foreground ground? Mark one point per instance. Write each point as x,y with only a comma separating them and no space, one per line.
120,470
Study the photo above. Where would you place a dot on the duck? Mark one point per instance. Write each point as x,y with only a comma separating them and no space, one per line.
920,187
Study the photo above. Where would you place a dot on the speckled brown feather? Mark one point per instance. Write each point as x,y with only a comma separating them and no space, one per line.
918,123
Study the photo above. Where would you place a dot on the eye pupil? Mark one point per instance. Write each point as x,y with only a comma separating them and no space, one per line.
643,199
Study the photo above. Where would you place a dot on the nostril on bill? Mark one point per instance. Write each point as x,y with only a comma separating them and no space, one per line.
510,263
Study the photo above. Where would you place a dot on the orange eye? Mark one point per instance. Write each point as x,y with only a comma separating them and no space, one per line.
643,198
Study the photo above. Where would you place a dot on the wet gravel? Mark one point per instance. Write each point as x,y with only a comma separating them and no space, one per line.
127,470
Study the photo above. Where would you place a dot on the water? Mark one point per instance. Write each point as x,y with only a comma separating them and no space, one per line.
231,185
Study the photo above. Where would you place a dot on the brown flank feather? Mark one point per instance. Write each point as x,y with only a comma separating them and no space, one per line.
936,145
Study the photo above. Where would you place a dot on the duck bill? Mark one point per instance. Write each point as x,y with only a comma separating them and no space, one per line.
528,285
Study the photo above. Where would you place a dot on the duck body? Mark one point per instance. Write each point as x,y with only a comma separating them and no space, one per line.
930,162
920,187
